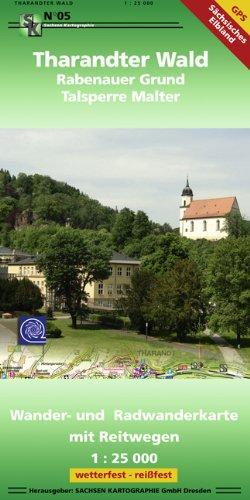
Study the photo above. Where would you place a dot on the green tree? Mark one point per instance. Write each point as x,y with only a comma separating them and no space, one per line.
161,228
33,238
24,184
136,303
122,229
7,209
5,235
142,247
201,251
229,286
133,248
176,304
141,225
53,207
70,261
7,294
5,180
20,295
28,296
163,251
236,225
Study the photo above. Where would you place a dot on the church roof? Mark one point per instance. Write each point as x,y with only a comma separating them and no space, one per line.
215,207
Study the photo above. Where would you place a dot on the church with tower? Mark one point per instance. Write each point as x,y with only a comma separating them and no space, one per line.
205,218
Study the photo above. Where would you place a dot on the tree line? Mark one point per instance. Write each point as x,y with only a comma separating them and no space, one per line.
38,200
181,285
180,294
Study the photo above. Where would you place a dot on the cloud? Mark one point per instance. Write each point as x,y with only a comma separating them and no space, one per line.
139,168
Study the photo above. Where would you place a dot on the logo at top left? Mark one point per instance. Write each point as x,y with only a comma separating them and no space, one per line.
31,24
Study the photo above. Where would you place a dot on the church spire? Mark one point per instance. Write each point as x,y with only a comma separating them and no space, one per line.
187,191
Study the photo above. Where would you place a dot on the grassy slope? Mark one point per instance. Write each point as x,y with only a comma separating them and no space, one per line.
118,344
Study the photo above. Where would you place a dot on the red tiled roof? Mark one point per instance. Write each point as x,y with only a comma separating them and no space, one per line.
216,207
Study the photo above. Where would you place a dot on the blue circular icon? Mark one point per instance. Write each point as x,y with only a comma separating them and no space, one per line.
33,331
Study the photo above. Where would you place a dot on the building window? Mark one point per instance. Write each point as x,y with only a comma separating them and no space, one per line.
119,271
110,289
110,303
218,225
128,273
119,289
111,270
192,226
184,203
204,225
100,289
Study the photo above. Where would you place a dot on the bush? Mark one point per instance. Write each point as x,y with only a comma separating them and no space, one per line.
53,331
110,320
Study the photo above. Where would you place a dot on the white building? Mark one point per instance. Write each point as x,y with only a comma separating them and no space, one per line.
205,218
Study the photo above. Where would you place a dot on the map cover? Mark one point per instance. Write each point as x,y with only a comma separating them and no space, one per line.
124,248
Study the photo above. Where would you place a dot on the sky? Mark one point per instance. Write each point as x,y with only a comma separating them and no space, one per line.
143,169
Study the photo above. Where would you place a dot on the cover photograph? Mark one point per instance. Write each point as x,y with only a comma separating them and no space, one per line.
125,249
